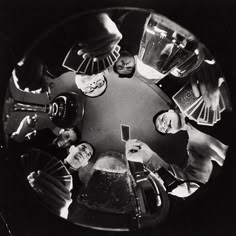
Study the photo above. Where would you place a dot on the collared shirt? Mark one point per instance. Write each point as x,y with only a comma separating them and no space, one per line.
209,145
146,72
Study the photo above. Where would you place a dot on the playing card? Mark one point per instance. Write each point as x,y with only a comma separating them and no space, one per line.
53,167
73,60
221,103
202,122
110,60
204,119
84,65
115,55
194,107
185,98
106,62
125,132
64,177
112,57
202,113
101,64
218,116
89,68
59,170
68,183
35,160
211,117
207,114
117,49
195,113
214,117
95,66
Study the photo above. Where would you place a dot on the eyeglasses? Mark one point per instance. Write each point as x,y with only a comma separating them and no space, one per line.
98,84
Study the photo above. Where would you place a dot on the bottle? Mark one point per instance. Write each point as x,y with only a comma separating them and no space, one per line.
65,110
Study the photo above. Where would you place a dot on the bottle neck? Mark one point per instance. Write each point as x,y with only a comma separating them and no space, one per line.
30,107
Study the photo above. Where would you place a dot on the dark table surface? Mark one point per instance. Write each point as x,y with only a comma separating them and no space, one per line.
129,102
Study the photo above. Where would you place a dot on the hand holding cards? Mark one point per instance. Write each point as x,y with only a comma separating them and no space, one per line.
51,192
37,160
195,108
83,63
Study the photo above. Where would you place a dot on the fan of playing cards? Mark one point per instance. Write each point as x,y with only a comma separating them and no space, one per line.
36,159
195,108
82,63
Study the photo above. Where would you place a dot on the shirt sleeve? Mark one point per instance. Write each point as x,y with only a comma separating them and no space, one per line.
182,190
156,162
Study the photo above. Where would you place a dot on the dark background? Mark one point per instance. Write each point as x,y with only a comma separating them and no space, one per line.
210,213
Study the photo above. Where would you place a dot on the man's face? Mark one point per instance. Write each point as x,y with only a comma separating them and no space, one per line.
66,138
168,122
91,85
125,64
79,155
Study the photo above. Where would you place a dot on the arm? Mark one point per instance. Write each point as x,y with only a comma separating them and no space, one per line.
207,79
26,126
51,191
173,174
140,152
32,76
102,35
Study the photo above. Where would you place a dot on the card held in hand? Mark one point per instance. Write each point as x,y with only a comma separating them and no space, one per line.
125,132
35,160
89,64
185,98
73,60
195,114
195,108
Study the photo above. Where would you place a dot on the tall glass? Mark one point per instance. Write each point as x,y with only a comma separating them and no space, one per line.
163,49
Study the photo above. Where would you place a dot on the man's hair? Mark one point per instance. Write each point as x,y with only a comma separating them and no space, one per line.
78,134
155,118
100,93
130,75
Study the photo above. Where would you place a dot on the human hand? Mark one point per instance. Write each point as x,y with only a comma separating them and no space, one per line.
206,81
185,189
104,37
51,191
32,121
27,125
137,151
